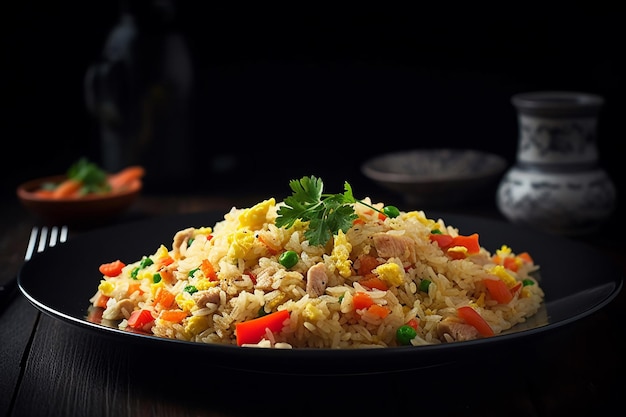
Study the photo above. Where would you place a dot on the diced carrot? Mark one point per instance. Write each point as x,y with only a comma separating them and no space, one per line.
473,318
208,270
175,316
252,331
358,220
498,290
135,286
166,260
163,299
444,241
361,300
101,300
516,288
68,188
112,269
378,310
139,318
371,281
167,276
414,323
511,263
125,177
525,256
470,242
366,264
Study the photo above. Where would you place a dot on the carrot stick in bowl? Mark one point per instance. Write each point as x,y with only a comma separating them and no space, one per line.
125,177
67,189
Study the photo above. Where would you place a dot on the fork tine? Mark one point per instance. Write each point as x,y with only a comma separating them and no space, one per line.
54,233
39,239
31,243
42,239
63,236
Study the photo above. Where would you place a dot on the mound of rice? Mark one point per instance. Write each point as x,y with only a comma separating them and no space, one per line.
408,274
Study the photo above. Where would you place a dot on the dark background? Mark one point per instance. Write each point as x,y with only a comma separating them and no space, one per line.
281,92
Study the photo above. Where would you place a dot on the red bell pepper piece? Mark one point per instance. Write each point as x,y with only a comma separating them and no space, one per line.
252,331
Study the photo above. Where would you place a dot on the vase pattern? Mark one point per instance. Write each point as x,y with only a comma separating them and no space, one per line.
556,184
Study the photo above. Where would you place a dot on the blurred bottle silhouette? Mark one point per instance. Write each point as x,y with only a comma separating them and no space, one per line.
140,93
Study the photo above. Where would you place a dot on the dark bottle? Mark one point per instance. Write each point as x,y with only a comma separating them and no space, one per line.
140,93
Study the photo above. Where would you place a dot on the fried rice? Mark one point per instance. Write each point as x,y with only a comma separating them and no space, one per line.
386,281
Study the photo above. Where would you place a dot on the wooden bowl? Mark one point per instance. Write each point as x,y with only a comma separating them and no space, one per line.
87,211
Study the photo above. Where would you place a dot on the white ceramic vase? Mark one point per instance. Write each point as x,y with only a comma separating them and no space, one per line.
556,184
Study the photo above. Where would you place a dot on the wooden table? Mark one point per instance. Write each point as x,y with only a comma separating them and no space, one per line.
51,368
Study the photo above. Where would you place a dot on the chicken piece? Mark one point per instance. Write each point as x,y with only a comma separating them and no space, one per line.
202,298
180,241
458,331
394,246
316,280
119,310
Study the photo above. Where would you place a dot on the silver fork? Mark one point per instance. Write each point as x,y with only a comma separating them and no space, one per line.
40,238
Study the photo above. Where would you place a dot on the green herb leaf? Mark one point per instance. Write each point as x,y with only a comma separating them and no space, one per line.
93,178
326,213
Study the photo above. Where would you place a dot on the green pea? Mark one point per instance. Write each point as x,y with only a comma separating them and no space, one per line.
156,278
435,232
145,262
288,259
391,211
134,272
526,282
190,289
405,334
424,285
193,271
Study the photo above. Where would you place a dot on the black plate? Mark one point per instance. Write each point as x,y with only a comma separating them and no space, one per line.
577,281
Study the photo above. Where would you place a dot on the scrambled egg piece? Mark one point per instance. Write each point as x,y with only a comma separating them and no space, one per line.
203,231
341,253
501,273
504,251
145,274
240,243
155,287
204,284
480,301
185,304
106,288
255,217
276,301
460,250
419,215
161,253
391,273
196,324
312,313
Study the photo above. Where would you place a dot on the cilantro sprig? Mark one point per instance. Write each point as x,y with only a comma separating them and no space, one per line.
92,177
326,213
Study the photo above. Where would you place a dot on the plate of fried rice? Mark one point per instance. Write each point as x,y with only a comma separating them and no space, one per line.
320,283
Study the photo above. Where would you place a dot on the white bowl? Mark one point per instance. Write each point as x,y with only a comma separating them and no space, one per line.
437,177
